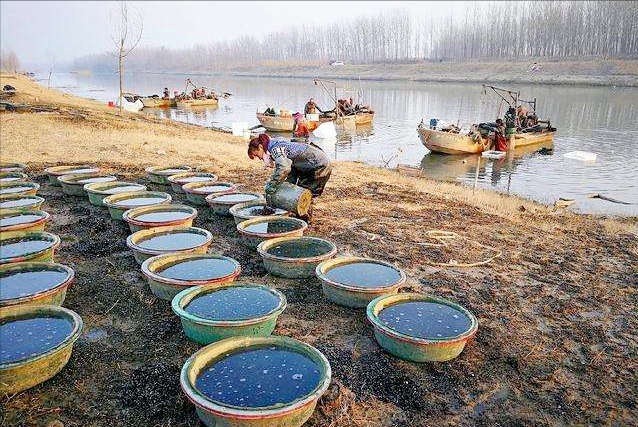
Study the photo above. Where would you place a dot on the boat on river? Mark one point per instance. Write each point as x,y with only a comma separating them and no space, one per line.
286,123
157,102
357,119
450,139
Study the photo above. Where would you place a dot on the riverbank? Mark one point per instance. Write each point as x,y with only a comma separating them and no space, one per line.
557,341
584,71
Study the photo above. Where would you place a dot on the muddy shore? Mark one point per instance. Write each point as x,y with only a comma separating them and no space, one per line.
557,342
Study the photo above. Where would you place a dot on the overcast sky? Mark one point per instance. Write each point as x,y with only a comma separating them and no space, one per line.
40,32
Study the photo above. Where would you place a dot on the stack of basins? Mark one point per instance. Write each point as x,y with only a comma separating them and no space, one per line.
36,333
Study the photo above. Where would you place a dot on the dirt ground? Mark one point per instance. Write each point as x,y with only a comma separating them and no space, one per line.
557,340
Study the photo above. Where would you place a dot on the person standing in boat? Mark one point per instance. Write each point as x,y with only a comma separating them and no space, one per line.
311,107
166,93
305,165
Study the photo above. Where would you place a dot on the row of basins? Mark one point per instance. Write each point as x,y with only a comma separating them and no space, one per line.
243,375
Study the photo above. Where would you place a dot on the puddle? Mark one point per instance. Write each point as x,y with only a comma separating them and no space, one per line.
259,377
424,319
95,335
233,303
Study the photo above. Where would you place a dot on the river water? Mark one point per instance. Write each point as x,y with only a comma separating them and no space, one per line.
601,120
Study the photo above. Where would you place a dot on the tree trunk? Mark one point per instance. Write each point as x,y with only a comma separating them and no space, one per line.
121,71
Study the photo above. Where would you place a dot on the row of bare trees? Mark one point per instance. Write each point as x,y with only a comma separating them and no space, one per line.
9,60
483,30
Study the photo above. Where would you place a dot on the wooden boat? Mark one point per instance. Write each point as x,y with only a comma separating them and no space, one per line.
354,120
156,102
208,102
285,124
459,143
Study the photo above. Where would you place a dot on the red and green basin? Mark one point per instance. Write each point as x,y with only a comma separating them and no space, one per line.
121,202
180,179
17,221
361,290
73,184
295,257
160,174
97,191
207,330
30,246
196,240
13,177
20,188
414,348
55,172
215,414
243,211
165,215
32,283
196,192
256,230
221,203
19,374
20,201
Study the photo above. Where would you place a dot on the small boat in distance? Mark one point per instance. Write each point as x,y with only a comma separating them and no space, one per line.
155,101
519,128
285,122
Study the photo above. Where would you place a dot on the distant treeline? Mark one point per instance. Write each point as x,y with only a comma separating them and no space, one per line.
9,60
483,31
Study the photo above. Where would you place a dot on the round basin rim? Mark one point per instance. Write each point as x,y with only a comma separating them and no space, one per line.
351,260
133,245
129,215
185,257
50,237
262,249
270,218
44,217
41,294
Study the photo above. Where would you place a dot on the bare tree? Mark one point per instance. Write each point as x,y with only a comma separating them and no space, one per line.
9,60
127,33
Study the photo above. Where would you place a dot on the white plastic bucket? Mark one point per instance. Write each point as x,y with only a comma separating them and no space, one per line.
239,128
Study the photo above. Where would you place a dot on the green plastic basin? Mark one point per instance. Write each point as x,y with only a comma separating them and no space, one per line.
299,266
142,254
160,174
166,288
55,172
180,179
24,374
117,203
21,188
73,184
53,295
33,224
197,196
45,254
20,201
350,295
413,348
97,191
221,206
214,414
206,331
239,216
253,239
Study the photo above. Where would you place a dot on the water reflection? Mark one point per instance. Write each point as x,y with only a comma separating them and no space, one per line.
602,120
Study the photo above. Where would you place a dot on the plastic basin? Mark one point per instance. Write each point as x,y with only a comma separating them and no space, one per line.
142,254
413,348
13,176
121,202
55,172
97,191
26,373
21,188
166,288
239,216
355,296
308,254
136,221
19,201
53,293
221,204
196,192
252,239
215,414
160,174
42,254
12,167
17,221
205,331
183,178
73,184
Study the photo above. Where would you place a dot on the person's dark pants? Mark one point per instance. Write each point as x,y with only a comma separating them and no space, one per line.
311,170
